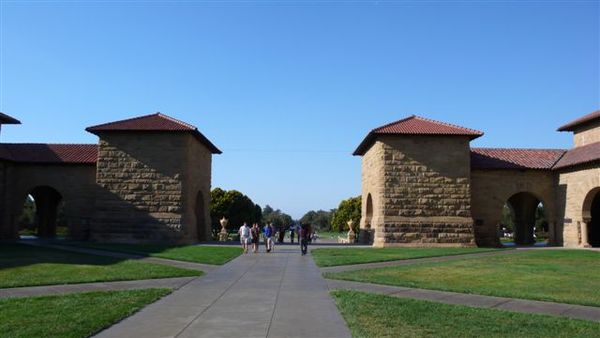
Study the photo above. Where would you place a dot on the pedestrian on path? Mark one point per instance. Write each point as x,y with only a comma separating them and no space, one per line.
304,234
269,232
255,235
244,236
292,232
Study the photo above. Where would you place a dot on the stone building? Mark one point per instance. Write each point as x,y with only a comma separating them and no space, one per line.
147,180
423,185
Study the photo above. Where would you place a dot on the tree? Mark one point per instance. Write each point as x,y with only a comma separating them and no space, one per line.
320,218
233,205
349,209
277,217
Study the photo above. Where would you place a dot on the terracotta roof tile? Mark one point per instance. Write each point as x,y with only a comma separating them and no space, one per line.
571,126
416,125
5,119
49,153
580,155
514,158
154,122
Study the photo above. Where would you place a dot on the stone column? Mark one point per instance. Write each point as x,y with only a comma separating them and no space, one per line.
584,233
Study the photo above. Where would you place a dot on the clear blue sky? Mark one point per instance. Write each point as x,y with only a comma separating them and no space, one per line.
288,89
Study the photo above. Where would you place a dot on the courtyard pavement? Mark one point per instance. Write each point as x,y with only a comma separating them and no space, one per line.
281,294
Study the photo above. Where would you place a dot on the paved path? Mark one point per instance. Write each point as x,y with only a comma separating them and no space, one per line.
501,303
281,294
353,267
172,283
155,260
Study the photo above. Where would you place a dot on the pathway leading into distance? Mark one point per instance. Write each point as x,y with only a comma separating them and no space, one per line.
281,294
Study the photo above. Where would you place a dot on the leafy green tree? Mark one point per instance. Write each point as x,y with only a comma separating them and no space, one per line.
233,205
277,217
348,209
320,218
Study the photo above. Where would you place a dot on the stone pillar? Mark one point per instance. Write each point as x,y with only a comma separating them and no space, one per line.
584,233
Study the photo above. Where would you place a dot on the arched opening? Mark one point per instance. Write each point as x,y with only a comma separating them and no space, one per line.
200,218
591,216
43,214
369,212
523,221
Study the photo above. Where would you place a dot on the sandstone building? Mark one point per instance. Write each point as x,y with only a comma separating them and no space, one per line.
147,180
423,185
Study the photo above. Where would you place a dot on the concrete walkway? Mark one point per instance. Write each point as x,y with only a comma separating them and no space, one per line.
114,254
171,283
489,302
281,294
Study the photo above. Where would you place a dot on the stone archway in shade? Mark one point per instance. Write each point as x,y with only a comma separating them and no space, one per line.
591,218
524,206
47,201
200,218
369,212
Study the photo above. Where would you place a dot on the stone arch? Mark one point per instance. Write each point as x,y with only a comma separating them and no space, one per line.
47,201
524,206
199,212
369,212
591,217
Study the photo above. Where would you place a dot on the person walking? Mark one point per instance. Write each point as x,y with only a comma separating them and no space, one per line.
292,232
269,232
255,235
303,236
244,236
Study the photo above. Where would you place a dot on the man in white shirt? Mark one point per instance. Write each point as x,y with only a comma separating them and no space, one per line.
244,236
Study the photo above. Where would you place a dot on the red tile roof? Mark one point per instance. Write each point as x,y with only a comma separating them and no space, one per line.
571,126
154,122
580,155
5,119
514,158
49,153
415,125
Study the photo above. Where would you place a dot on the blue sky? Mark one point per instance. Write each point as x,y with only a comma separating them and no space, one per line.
288,89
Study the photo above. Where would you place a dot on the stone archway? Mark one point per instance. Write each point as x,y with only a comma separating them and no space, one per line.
47,201
369,212
590,229
524,207
200,218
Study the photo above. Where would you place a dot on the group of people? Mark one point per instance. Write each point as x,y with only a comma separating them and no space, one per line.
252,235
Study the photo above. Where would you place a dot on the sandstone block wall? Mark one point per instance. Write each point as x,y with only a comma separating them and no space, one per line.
75,183
426,191
139,176
574,186
587,134
491,189
372,177
196,190
148,185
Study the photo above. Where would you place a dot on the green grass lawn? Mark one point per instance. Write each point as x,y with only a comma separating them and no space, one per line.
24,265
370,315
215,255
346,256
565,276
75,315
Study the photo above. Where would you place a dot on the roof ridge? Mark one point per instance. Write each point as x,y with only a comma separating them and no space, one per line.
125,120
172,119
447,124
392,123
